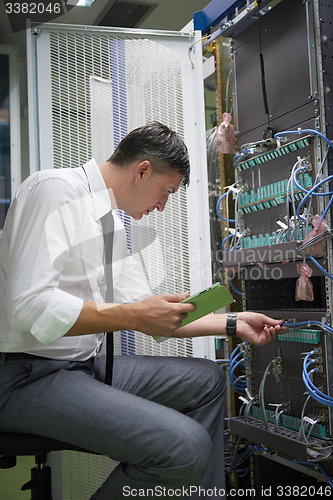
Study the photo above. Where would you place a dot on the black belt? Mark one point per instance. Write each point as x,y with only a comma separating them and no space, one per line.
8,356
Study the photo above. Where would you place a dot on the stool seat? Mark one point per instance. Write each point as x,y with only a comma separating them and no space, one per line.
17,444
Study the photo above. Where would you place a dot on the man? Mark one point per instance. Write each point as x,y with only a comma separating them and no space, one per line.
162,419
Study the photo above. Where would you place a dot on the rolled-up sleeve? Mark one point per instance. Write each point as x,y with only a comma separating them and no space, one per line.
46,224
56,319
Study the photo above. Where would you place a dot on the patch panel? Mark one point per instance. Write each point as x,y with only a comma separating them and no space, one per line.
287,421
305,336
267,239
282,151
284,441
271,196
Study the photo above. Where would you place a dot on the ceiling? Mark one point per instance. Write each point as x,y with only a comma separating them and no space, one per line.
163,15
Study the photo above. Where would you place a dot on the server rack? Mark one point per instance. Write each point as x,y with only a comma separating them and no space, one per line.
281,56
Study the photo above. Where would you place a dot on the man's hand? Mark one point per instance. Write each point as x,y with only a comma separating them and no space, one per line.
162,314
257,328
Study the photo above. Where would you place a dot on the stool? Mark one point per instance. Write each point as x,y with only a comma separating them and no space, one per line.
17,444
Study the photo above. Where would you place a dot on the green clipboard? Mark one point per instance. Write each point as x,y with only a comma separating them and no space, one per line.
206,302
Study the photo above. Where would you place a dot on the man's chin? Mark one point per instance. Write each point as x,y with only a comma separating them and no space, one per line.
137,216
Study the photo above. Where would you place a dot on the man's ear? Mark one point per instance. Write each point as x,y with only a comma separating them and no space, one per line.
143,169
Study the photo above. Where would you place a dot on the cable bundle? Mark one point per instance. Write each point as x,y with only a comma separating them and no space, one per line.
308,324
314,392
236,360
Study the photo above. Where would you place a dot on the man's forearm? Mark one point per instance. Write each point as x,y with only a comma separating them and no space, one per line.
158,314
97,318
101,317
212,324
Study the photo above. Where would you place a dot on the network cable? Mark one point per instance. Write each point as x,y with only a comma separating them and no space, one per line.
305,131
310,192
218,207
316,466
308,324
236,360
301,433
320,267
227,91
261,395
314,392
231,284
315,239
233,237
236,455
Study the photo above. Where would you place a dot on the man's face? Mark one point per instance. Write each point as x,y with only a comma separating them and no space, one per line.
152,191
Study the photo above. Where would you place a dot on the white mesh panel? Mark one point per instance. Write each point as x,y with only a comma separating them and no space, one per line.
102,136
103,86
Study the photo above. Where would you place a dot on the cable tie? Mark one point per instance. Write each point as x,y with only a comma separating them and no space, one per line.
243,399
309,324
309,420
299,130
323,322
248,393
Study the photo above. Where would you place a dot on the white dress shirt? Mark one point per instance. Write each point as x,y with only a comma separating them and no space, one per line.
52,259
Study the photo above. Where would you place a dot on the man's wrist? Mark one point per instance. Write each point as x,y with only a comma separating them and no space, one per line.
231,325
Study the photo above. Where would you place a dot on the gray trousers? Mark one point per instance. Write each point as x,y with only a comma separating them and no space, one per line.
162,419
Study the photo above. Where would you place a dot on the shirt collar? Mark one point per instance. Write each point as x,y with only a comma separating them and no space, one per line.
98,189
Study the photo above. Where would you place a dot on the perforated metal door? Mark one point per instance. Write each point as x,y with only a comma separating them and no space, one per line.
88,88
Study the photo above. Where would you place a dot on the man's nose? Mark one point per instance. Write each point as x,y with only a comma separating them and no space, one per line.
161,204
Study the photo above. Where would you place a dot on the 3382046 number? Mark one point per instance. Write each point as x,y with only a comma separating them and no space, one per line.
32,8
304,491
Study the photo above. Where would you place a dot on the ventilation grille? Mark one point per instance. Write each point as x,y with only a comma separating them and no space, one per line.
126,14
103,86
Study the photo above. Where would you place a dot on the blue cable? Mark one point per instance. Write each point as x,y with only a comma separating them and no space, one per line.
225,239
308,323
232,286
238,387
233,377
228,238
234,361
314,392
305,131
317,466
311,388
296,181
250,151
309,382
312,193
320,267
233,365
233,354
326,210
237,156
218,209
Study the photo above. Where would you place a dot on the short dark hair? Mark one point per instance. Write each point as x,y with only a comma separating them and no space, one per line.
158,144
